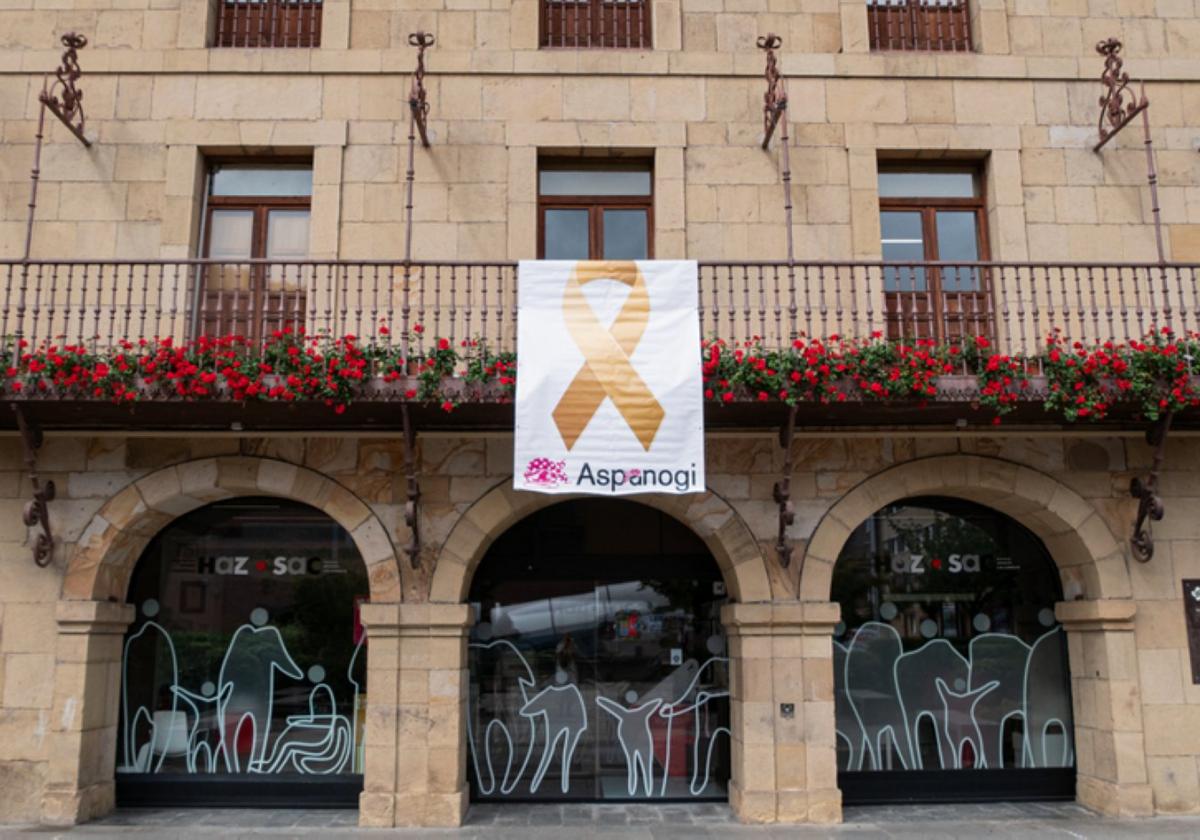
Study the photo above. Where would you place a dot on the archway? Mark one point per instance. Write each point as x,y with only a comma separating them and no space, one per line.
950,669
92,614
243,677
709,516
1097,611
598,663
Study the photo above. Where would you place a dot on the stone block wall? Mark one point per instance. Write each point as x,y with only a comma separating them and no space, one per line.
1027,115
1135,702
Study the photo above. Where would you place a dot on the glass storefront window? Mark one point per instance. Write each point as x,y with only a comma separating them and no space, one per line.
598,664
948,656
246,660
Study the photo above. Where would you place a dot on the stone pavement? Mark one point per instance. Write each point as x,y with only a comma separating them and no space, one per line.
1003,821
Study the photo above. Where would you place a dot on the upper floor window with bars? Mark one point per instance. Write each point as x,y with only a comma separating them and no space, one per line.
929,25
268,23
613,24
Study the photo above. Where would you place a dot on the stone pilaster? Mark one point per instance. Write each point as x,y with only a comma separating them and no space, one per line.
781,710
85,717
415,762
1110,749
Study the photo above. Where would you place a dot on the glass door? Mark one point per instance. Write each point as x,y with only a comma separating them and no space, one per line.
607,683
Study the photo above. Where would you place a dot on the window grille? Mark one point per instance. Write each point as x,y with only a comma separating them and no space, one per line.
596,23
930,25
268,23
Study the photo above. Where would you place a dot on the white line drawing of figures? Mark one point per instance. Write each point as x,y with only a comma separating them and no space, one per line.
255,653
165,727
1046,704
198,749
959,719
916,673
870,679
318,738
1004,658
525,682
636,740
846,723
699,708
564,716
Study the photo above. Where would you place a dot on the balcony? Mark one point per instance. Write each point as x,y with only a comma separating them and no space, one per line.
402,311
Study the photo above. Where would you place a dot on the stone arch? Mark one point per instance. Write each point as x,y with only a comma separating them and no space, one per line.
101,564
709,515
1090,560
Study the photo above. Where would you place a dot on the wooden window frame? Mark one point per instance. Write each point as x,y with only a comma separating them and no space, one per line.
929,207
595,204
255,313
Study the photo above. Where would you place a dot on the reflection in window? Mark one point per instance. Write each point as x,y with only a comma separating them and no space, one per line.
247,655
948,655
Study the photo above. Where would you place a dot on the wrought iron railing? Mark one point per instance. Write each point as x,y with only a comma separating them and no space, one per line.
931,25
595,23
268,23
1016,305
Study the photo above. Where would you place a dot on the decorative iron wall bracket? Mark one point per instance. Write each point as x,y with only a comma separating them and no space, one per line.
418,113
1118,104
65,100
417,102
1118,107
37,510
775,100
412,490
783,490
1150,504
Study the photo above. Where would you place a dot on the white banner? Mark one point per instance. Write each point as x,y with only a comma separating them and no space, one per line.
609,395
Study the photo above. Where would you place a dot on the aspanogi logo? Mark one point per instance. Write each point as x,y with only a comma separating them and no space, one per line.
607,370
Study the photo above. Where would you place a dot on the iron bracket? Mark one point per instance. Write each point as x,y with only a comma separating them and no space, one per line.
1118,105
412,502
783,490
417,101
37,510
1150,504
775,100
64,98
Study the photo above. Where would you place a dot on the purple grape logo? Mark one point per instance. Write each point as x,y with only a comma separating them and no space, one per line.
543,472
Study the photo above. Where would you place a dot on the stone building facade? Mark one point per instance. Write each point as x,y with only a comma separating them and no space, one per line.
1020,109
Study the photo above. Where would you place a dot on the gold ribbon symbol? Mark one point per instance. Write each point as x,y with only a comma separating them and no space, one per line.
607,371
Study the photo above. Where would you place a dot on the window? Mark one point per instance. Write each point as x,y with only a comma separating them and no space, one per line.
243,679
595,23
929,215
595,212
255,212
268,23
948,660
935,25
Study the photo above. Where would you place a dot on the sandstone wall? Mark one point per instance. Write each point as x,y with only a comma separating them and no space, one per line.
1154,692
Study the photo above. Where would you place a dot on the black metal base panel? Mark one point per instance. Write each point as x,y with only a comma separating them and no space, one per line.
934,786
138,790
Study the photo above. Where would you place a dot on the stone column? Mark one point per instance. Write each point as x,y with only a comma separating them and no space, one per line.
781,678
415,762
1110,750
85,717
